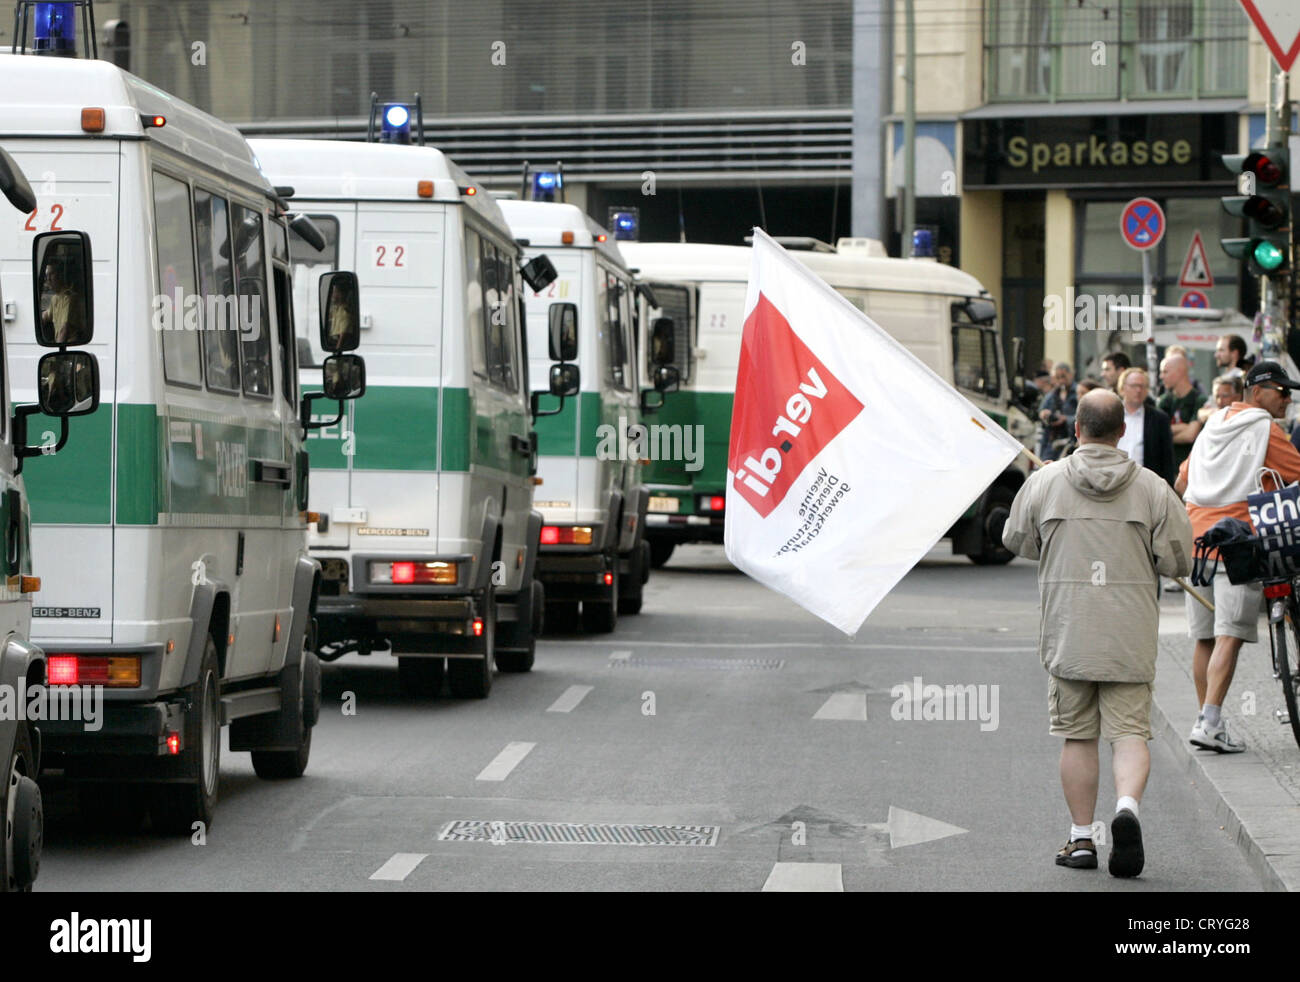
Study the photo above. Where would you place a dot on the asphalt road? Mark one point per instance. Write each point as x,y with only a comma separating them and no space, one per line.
723,719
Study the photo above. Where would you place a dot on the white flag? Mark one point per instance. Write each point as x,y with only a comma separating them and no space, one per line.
849,457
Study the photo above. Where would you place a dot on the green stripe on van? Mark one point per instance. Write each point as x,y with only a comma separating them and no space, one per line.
558,436
711,410
71,487
139,430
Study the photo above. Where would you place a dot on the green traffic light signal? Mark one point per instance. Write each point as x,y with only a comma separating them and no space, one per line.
1264,200
1268,256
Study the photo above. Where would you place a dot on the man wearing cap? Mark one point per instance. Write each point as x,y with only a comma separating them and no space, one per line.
1221,470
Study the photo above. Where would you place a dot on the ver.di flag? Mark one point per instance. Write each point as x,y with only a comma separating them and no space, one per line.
849,457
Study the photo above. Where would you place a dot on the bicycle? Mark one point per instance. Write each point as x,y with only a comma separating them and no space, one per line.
1249,561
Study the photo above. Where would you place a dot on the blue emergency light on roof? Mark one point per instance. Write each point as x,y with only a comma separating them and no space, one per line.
626,224
922,243
55,31
545,184
396,123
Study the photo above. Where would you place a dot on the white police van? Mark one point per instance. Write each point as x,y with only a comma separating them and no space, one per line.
174,525
61,257
427,536
590,455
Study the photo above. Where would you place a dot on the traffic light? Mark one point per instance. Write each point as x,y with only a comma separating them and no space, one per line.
1264,200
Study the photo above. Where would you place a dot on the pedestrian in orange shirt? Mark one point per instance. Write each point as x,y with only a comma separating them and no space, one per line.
1223,468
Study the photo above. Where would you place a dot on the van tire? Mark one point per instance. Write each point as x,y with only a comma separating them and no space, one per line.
638,574
471,678
660,551
277,765
993,517
23,818
175,808
601,617
521,659
421,677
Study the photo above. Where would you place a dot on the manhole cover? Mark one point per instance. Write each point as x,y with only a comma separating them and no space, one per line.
565,833
702,664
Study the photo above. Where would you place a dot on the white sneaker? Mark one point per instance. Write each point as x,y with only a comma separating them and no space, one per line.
1215,739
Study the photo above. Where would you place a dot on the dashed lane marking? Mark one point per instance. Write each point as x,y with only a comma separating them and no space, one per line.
805,878
505,762
844,705
400,866
568,702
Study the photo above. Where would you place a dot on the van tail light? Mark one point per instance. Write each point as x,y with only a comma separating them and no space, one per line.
110,671
566,535
412,573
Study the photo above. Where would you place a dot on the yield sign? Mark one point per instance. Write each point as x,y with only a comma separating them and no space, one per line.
1278,22
1196,267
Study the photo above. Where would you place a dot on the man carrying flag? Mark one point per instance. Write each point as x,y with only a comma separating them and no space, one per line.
1101,527
836,485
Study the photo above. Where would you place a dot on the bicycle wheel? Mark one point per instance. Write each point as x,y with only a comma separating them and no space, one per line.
1286,654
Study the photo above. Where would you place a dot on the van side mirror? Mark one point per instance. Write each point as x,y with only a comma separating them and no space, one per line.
340,312
345,377
63,290
539,273
67,383
662,341
566,380
666,378
563,322
14,184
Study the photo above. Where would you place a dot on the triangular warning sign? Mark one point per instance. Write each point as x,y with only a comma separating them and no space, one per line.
1278,22
1196,267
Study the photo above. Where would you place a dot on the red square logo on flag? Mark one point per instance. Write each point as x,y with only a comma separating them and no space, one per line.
788,407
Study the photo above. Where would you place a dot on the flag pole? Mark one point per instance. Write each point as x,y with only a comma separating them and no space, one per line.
1038,462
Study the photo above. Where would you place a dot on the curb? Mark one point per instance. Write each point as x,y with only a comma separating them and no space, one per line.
1247,800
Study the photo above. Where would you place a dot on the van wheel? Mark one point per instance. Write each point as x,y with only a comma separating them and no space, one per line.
519,658
24,818
176,808
601,617
421,677
660,551
637,575
471,678
997,508
273,765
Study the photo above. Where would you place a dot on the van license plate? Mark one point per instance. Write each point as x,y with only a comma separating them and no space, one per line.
659,503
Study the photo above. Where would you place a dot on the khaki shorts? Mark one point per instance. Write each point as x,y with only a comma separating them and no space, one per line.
1084,710
1236,611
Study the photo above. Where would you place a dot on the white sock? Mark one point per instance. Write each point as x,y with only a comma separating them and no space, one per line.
1126,802
1211,715
1080,832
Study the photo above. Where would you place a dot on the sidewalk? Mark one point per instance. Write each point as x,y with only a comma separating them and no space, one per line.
1255,794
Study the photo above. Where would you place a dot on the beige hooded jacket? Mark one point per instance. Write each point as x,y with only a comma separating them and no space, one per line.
1101,527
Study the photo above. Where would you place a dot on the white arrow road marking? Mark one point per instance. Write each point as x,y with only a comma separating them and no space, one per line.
844,705
804,878
400,866
620,656
568,702
505,762
910,829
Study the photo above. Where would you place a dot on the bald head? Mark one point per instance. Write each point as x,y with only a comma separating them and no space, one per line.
1174,373
1100,418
